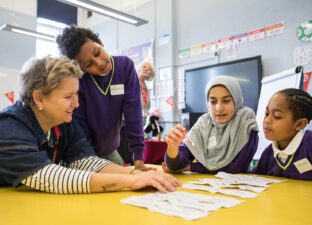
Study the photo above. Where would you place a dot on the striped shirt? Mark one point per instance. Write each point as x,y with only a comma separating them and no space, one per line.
62,180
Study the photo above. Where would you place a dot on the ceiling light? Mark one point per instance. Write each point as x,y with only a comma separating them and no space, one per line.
24,31
95,7
51,23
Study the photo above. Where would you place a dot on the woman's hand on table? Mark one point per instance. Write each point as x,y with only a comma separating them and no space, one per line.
159,180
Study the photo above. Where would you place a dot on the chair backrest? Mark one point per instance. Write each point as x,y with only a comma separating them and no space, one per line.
154,152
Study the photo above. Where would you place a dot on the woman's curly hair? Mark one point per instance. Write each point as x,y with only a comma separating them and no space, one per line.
72,38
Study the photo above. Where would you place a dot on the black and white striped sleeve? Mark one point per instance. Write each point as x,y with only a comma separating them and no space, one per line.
59,180
92,163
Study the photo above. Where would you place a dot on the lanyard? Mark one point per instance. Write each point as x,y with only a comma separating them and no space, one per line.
55,151
110,81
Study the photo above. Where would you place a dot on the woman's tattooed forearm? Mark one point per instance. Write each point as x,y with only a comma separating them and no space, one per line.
108,187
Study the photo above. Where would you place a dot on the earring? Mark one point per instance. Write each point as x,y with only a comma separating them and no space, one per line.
40,108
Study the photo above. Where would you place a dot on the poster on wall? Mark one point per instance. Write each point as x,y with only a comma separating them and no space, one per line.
209,47
170,101
184,53
164,88
256,34
164,39
230,51
224,42
165,73
302,55
307,84
165,93
274,29
164,107
6,99
140,53
181,89
10,96
304,31
196,50
240,38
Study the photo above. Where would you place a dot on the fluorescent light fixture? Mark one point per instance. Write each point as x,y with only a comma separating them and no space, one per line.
115,14
242,79
27,32
51,23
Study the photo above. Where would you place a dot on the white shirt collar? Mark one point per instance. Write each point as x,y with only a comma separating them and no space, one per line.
290,149
49,135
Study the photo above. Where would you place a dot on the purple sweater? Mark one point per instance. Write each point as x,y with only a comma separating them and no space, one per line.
101,116
239,164
268,166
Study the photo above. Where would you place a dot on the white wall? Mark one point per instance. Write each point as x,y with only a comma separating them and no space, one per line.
28,7
199,21
15,49
9,79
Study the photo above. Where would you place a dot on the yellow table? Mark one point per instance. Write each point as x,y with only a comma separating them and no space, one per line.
280,204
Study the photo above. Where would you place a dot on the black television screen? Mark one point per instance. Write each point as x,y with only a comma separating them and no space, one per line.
247,71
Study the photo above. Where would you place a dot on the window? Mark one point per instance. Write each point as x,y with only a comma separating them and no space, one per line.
44,47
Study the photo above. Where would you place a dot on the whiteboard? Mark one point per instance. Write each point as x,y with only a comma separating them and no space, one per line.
291,78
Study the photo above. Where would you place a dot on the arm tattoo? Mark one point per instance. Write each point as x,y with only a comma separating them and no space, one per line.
107,187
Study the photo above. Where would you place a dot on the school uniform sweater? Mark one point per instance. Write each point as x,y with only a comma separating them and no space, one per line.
101,116
268,164
238,165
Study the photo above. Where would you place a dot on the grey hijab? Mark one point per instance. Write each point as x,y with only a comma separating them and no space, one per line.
216,145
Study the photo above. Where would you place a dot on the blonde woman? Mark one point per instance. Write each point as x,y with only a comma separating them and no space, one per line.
43,148
145,73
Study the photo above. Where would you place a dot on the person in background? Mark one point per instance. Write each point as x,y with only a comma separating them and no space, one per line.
224,139
145,73
43,148
290,154
109,91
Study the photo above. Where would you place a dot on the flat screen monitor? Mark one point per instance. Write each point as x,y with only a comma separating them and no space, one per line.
247,71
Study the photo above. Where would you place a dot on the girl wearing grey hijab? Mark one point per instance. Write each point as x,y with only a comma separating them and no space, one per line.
225,138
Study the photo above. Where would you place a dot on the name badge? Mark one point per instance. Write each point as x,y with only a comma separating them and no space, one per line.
117,89
303,165
212,142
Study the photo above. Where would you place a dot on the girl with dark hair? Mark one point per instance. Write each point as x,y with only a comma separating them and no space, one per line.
290,155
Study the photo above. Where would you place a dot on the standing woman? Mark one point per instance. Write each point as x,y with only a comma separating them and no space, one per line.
109,91
145,73
43,148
